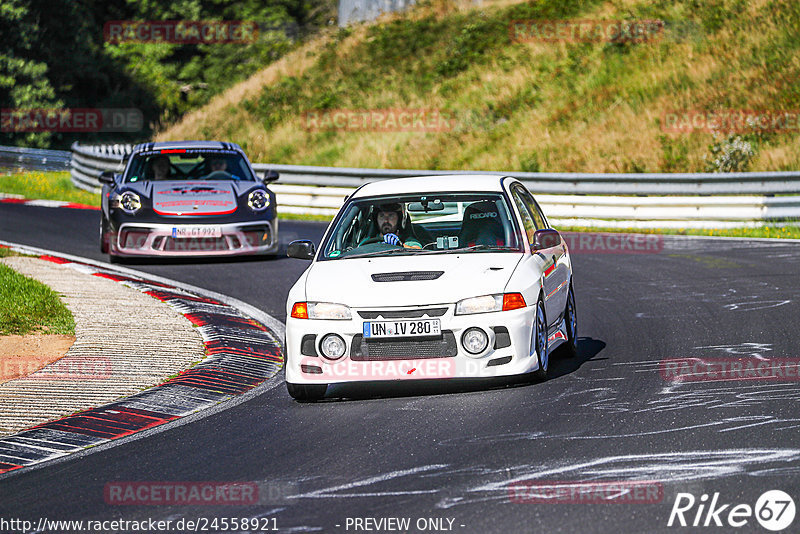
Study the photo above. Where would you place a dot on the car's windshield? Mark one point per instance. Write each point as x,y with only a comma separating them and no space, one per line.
188,164
438,223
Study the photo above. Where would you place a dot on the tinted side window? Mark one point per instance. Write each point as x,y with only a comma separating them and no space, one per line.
534,208
527,217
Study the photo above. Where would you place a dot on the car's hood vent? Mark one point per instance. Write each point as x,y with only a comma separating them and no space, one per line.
407,276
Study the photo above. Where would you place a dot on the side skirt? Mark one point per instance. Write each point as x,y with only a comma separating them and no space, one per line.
556,335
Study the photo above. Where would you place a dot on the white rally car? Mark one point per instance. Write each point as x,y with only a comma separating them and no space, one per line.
428,278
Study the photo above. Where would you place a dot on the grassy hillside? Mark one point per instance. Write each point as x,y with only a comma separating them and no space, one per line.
535,106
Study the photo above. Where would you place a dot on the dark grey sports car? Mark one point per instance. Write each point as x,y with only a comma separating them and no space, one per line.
188,198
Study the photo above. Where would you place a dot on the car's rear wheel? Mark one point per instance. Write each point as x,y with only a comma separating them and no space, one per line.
540,340
306,392
570,348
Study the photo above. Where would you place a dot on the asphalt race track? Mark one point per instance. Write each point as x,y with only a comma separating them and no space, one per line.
454,451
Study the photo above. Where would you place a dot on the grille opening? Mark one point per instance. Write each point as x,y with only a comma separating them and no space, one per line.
311,369
499,361
257,238
443,346
196,244
308,345
134,238
502,338
403,314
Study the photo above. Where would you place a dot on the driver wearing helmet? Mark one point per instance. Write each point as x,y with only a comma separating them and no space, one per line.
392,224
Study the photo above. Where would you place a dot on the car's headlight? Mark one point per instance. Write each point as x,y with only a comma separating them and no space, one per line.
483,304
490,303
128,201
320,310
258,200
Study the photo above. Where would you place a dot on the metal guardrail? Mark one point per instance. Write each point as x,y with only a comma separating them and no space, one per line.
12,157
681,200
88,162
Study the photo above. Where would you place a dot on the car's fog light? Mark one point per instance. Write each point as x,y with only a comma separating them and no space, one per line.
332,347
474,340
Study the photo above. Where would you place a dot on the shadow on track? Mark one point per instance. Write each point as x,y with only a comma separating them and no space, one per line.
588,348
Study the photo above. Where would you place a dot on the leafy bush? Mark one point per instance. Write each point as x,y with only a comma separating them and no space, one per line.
732,154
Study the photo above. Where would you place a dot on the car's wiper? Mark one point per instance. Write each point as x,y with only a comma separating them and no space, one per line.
482,247
379,252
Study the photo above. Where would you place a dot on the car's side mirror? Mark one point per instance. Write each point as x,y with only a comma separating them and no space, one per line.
547,238
106,177
270,176
302,249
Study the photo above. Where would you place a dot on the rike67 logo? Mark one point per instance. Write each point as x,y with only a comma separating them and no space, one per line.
774,510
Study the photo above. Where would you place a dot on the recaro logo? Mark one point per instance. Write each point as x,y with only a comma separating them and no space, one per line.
774,510
483,215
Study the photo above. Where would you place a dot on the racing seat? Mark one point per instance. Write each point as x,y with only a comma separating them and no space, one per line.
481,226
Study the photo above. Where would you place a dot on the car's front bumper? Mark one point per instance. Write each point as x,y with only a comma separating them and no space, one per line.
437,357
157,239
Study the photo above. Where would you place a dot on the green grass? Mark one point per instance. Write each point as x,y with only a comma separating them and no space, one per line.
303,216
46,186
28,306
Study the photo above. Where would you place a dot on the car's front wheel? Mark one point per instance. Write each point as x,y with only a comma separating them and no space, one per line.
540,341
306,392
104,235
570,348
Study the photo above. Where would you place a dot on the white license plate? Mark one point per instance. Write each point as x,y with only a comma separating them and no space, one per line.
196,231
402,328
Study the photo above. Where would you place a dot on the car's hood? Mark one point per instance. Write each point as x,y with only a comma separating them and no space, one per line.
350,281
193,198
